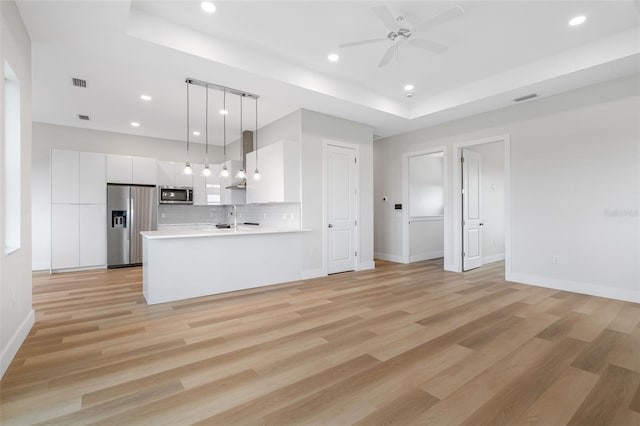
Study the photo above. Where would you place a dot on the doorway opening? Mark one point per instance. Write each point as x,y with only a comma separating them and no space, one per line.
481,221
423,213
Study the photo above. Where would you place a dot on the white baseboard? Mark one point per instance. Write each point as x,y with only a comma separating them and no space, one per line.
388,257
10,351
366,265
576,287
80,269
493,258
313,273
40,266
427,255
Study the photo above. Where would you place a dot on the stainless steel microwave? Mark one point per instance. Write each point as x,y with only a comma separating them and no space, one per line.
175,195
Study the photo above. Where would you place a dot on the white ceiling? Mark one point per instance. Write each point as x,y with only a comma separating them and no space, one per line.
497,51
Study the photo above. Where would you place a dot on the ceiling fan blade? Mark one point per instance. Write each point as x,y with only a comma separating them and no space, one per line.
383,13
440,18
431,46
386,58
358,43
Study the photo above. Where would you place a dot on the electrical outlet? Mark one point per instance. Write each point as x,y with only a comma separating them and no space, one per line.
493,242
163,215
555,260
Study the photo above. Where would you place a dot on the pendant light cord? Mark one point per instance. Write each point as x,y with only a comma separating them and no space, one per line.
188,120
224,125
241,138
206,126
256,134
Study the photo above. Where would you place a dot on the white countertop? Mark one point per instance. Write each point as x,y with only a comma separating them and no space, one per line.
197,233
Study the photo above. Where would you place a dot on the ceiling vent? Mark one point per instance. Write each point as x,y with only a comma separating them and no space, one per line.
83,117
525,97
78,82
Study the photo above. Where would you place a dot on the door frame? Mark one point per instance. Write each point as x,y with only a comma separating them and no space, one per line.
455,260
325,197
406,234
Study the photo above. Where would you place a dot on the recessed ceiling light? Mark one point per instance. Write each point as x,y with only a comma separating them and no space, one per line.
224,112
196,133
578,20
145,97
408,87
208,7
333,57
135,124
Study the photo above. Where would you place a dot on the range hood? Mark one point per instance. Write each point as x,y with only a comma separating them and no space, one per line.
246,147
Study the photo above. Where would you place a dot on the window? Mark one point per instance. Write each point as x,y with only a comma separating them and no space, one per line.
11,176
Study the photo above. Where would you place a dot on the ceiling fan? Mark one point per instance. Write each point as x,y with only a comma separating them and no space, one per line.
402,30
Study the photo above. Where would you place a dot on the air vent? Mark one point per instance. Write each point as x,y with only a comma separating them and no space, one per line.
83,117
78,82
525,97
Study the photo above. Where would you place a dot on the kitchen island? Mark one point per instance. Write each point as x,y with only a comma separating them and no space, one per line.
181,264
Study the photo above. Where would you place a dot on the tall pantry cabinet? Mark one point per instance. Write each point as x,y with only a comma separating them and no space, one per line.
78,209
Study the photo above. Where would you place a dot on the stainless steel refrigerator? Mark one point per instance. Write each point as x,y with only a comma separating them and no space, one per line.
131,209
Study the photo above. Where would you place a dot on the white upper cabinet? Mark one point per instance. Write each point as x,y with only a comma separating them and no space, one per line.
145,171
92,178
171,173
179,176
279,165
65,174
165,173
119,168
199,185
212,185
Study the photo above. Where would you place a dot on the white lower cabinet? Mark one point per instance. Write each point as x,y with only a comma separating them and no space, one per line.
93,238
65,236
78,235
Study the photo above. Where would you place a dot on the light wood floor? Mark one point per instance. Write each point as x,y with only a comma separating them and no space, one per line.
402,344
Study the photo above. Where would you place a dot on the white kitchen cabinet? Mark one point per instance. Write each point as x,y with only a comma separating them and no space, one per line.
145,171
213,185
92,235
179,176
199,185
171,173
279,165
65,172
165,173
65,235
92,178
119,168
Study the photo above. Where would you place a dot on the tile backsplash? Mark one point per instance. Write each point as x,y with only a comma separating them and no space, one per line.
276,215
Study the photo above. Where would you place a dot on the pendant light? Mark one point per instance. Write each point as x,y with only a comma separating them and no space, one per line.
224,172
187,166
206,171
241,173
256,173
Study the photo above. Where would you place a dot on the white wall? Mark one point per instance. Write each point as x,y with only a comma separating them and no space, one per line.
48,136
317,129
16,313
575,185
492,199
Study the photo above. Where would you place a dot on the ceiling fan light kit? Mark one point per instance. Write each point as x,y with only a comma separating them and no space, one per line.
401,31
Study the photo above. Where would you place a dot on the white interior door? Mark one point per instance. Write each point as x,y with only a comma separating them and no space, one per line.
471,211
341,209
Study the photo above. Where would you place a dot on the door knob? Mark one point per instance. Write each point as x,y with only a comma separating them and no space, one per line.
481,224
330,225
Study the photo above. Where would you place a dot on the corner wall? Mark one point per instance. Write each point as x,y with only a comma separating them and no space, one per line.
16,313
316,129
575,186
